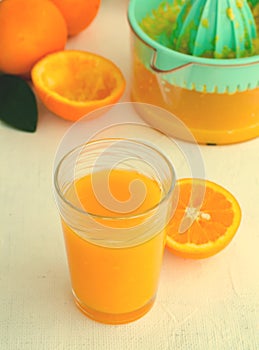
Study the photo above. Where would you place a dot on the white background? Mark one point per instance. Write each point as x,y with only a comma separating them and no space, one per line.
210,304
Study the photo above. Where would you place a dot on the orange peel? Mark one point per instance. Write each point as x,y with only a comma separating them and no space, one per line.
73,83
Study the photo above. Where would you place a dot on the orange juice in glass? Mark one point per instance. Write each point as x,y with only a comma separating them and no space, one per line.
114,198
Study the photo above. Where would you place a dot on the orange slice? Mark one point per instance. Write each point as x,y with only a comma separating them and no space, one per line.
73,83
206,219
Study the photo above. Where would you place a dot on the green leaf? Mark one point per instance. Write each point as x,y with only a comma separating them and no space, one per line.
18,106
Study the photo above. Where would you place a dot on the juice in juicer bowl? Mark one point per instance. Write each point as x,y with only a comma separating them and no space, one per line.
216,99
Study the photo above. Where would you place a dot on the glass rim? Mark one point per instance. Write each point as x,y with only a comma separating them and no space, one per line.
59,192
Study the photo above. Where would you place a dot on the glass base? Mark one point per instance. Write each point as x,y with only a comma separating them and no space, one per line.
114,319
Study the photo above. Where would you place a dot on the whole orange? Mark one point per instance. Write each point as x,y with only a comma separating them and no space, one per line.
78,13
29,29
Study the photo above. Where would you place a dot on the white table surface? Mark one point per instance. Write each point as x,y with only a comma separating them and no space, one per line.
210,304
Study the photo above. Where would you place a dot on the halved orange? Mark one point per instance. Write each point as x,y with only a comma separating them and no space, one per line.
206,219
72,83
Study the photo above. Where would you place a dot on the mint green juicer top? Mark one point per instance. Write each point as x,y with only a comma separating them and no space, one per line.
210,47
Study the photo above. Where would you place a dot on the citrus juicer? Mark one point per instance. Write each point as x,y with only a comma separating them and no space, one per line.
215,98
219,29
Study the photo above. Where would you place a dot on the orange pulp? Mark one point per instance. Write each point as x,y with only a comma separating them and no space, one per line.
114,284
197,229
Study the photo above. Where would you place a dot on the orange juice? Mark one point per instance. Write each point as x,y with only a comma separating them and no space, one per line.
114,284
114,196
